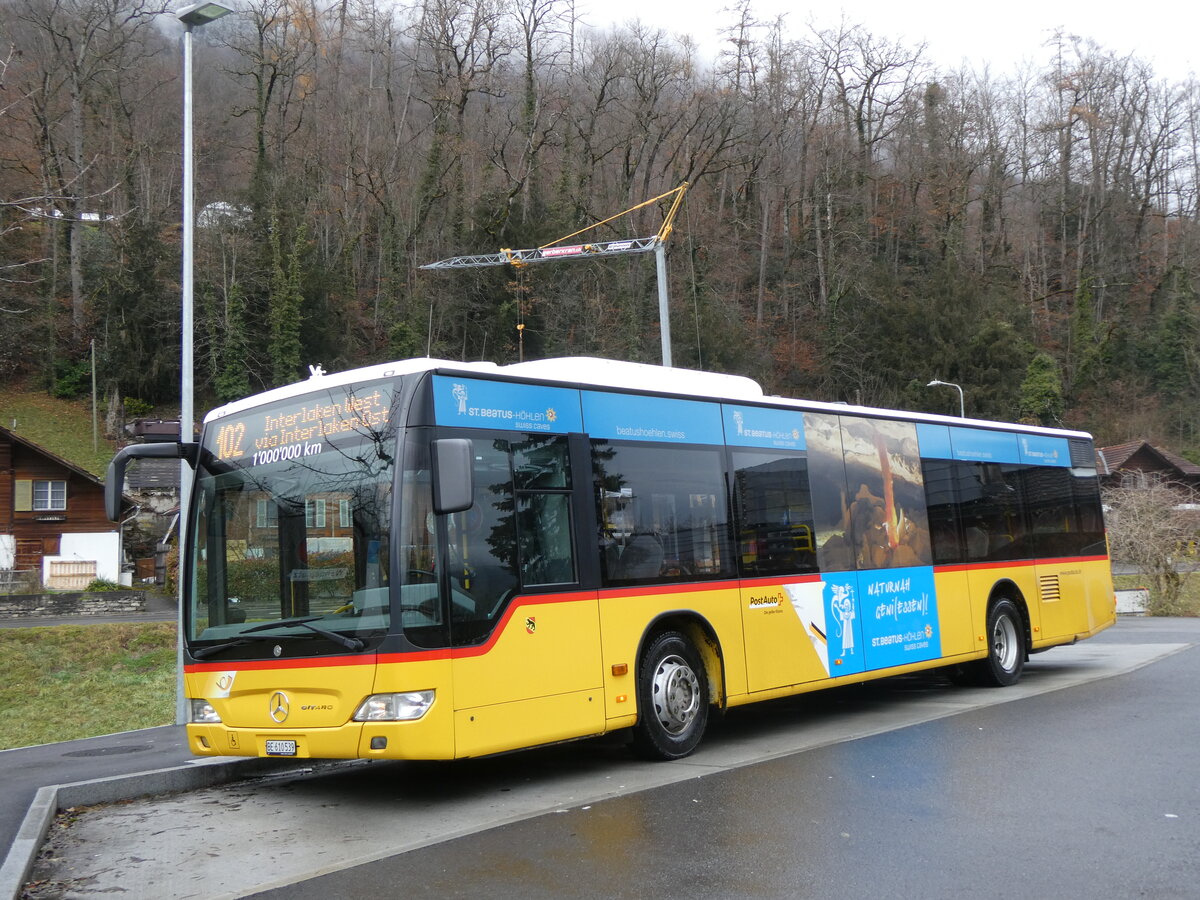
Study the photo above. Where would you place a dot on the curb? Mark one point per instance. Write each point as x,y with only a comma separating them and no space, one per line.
50,799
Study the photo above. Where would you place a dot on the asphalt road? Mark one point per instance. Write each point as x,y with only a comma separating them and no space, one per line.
1082,793
1077,782
25,769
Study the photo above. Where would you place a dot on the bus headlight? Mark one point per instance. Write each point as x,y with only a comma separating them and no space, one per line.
203,713
394,707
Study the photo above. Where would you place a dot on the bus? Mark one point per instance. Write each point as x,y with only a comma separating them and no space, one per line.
437,560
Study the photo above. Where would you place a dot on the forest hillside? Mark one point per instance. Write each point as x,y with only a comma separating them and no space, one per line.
859,222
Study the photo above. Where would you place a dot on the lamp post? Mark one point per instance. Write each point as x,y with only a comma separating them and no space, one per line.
962,408
192,17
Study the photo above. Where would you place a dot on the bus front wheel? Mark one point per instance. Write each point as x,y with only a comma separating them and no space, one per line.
672,695
1006,645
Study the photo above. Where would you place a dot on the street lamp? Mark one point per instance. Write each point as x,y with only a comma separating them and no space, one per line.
962,409
192,17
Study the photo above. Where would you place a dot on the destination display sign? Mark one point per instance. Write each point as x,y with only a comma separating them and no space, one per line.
300,426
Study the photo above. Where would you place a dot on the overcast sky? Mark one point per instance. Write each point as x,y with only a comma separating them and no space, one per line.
1001,34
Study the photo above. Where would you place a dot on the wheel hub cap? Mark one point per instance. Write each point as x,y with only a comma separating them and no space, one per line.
676,694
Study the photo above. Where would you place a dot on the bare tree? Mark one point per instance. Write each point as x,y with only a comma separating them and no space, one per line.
1148,528
75,47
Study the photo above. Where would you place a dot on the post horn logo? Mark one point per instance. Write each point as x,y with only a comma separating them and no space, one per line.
278,707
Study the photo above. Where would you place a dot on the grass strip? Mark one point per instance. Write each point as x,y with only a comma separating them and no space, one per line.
74,681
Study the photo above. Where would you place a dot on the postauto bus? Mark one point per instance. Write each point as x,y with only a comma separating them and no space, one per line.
434,560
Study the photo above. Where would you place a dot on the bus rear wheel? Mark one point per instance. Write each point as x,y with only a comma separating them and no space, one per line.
1006,646
672,695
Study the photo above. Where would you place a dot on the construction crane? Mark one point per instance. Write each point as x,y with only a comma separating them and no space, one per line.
558,250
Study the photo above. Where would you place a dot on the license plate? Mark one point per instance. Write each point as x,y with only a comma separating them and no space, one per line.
281,748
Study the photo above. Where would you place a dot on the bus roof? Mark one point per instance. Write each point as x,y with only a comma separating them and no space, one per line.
611,373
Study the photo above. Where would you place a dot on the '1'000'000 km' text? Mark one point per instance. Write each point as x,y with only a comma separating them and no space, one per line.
279,454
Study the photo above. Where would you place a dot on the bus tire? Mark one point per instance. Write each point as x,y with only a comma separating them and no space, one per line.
672,696
1006,645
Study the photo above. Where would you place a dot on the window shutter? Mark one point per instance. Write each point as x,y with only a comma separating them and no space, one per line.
23,495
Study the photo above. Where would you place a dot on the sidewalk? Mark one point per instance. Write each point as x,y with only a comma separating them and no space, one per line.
35,782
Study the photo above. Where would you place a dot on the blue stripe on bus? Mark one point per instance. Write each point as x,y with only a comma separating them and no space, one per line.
753,426
934,441
1039,450
977,445
473,403
985,445
633,418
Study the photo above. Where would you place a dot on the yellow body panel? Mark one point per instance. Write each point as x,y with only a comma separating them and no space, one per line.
312,743
983,580
781,649
526,723
958,612
624,619
318,696
537,681
541,648
564,667
1077,600
246,722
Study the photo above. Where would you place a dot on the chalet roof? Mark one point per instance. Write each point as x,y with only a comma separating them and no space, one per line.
7,434
1111,459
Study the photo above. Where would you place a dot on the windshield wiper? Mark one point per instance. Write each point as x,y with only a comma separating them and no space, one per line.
350,643
201,652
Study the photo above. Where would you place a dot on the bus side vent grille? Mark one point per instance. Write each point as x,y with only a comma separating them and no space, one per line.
1049,587
1083,454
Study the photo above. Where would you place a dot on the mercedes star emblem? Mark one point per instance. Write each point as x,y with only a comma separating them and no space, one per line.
279,706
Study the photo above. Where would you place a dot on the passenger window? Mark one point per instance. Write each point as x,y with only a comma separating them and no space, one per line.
774,513
542,475
992,516
945,529
1091,517
662,511
544,526
1053,527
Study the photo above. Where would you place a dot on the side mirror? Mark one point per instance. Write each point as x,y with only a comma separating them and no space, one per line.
114,481
453,475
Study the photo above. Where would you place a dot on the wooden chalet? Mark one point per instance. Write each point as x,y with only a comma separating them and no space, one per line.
1140,463
47,502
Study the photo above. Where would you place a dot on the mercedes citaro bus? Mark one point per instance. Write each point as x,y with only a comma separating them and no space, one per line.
435,560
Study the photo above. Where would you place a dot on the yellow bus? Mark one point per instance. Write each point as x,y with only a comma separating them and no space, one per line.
436,560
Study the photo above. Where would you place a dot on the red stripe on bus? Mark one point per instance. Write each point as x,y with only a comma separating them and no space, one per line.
1018,564
415,656
532,600
249,665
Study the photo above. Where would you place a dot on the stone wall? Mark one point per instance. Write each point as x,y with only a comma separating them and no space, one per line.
72,603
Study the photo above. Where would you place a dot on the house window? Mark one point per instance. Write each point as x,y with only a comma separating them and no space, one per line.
314,513
49,495
1133,479
343,513
267,515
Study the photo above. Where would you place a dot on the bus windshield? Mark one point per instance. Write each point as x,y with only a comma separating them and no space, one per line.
290,540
